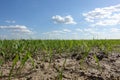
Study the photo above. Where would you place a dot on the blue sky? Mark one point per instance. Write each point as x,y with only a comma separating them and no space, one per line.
60,19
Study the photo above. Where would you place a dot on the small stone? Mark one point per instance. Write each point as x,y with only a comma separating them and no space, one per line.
29,78
42,66
78,57
73,55
82,74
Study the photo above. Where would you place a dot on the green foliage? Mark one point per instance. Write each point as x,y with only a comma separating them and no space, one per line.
23,50
15,60
97,60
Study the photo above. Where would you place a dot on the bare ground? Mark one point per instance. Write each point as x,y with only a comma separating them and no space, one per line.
67,67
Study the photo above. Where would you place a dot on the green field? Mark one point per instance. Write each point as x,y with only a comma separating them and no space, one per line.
24,50
9,48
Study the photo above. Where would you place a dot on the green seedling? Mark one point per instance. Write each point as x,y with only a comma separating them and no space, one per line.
60,74
15,60
50,55
25,58
1,63
97,61
60,77
23,50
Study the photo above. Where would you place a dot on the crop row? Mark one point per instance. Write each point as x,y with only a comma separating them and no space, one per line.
22,50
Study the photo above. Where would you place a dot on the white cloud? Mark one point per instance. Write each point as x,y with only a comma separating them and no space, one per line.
106,16
80,30
17,29
87,30
93,31
57,32
114,30
66,30
10,21
54,32
63,20
74,33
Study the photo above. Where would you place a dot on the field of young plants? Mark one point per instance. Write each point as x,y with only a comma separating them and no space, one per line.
60,59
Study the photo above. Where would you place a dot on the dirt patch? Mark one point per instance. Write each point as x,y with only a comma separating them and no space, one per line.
96,66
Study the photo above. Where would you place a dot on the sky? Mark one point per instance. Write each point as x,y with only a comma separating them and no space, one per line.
59,19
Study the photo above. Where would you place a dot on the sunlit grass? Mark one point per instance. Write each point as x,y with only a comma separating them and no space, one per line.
24,50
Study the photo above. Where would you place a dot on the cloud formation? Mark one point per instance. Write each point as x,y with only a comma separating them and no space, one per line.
78,29
63,20
58,32
66,30
114,30
106,16
16,29
88,31
10,21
